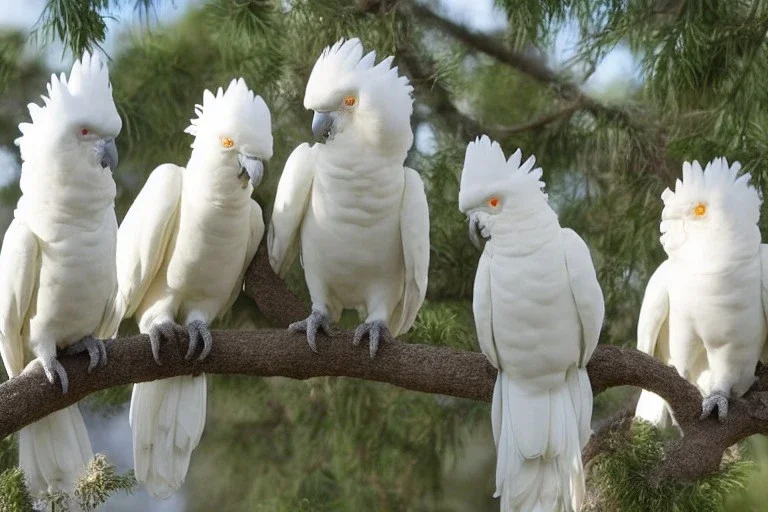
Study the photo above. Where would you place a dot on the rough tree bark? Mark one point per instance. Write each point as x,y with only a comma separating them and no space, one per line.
418,367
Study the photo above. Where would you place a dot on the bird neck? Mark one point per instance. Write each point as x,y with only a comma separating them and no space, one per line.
214,178
60,193
525,230
713,252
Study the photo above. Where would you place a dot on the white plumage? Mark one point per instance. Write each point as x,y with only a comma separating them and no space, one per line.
704,310
183,249
57,264
538,312
358,217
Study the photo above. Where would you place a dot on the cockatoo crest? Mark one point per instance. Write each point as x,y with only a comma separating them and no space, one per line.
82,102
487,173
342,68
713,197
718,185
237,114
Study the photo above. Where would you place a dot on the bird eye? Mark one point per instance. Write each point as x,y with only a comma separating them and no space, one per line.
700,210
493,202
84,131
350,101
227,142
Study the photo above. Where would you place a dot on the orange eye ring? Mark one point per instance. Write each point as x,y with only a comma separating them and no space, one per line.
493,202
227,142
700,210
350,101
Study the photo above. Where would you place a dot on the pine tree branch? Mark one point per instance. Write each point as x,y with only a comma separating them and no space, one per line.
567,90
539,122
426,368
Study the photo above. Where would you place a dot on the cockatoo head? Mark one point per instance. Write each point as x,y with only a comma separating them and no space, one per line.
713,201
356,100
78,121
493,186
235,127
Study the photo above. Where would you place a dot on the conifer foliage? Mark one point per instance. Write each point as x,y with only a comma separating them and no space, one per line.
607,154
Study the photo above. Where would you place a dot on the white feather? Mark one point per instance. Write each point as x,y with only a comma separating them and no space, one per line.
538,312
184,247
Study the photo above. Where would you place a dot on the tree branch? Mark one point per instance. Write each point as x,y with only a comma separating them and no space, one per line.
426,368
567,90
539,122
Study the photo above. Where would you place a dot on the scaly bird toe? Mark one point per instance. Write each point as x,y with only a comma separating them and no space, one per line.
166,331
199,332
717,399
52,367
97,351
315,322
376,330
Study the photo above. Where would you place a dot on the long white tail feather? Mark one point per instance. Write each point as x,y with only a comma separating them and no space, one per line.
653,409
167,419
539,436
54,452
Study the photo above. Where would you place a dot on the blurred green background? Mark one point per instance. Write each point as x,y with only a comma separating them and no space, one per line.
636,87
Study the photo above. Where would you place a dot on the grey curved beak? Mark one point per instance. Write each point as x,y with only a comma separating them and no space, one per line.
474,233
252,168
322,125
109,155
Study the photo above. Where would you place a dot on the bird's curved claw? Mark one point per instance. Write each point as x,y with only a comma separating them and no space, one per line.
717,399
52,367
199,332
376,330
311,325
167,331
97,351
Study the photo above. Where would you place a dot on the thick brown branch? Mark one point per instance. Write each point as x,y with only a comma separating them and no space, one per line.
417,367
265,353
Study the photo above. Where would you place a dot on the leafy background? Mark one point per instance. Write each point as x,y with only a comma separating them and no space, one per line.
639,86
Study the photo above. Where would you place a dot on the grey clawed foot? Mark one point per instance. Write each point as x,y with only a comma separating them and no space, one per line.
97,351
376,331
166,331
717,399
315,322
52,367
199,332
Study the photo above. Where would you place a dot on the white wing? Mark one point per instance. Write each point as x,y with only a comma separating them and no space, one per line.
254,239
653,339
414,231
110,321
652,325
291,200
19,269
764,281
144,234
482,308
586,292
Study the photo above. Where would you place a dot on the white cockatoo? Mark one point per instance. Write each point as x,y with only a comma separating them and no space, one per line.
182,252
538,312
358,217
57,264
704,310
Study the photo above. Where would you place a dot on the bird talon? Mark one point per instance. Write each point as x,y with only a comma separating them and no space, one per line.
52,367
376,330
717,399
97,351
198,331
311,325
167,331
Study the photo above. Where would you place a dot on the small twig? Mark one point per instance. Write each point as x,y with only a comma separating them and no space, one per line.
540,122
